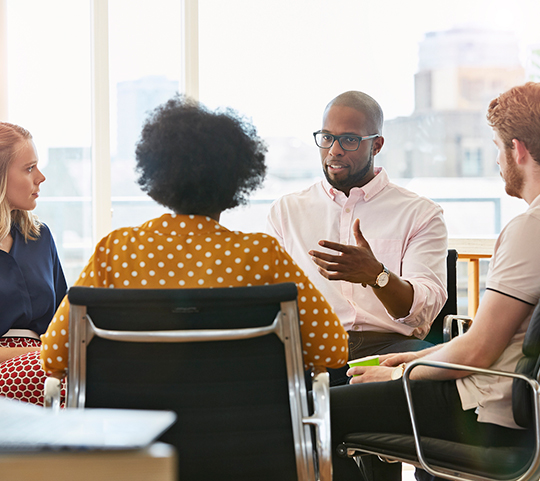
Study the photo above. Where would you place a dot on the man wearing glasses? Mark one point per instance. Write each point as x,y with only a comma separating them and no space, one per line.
375,250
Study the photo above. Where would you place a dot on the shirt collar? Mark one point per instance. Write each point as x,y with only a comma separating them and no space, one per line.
367,192
176,224
535,202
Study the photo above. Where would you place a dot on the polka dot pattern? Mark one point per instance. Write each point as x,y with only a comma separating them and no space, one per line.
177,251
22,377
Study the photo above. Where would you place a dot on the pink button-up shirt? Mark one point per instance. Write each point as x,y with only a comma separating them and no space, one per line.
406,233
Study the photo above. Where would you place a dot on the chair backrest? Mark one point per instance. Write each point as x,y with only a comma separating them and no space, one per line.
529,364
435,334
239,399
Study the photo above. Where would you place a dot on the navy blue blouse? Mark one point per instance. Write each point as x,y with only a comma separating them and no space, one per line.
32,283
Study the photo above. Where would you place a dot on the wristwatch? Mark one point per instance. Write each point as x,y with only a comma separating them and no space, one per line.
397,372
382,278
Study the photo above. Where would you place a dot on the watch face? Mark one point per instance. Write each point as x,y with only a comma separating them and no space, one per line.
397,373
383,279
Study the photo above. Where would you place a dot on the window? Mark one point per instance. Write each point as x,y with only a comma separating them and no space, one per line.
146,69
49,78
433,66
472,161
48,72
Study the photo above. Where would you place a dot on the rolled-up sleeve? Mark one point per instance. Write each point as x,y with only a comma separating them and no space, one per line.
424,267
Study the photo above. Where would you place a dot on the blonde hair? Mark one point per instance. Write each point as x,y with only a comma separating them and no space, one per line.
12,138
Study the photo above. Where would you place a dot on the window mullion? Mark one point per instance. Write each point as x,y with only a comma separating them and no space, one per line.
3,62
191,48
101,153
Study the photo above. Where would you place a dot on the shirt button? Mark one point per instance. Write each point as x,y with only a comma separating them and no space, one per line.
347,210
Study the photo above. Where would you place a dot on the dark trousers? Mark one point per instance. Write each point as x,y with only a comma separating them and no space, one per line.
369,343
381,407
366,344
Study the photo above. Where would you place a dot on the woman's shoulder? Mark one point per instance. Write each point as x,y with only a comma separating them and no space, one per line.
259,242
257,238
116,235
45,235
44,230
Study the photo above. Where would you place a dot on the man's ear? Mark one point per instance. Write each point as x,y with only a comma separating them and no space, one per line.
520,151
377,145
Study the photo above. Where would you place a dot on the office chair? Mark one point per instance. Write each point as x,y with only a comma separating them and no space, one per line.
448,323
228,361
458,461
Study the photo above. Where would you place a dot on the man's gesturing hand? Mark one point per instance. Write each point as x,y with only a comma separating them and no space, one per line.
353,263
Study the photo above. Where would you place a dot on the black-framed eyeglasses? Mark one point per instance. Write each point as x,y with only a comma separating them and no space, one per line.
325,140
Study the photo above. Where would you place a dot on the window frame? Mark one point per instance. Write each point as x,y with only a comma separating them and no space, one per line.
101,152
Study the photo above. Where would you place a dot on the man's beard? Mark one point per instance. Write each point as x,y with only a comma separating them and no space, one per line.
513,178
351,181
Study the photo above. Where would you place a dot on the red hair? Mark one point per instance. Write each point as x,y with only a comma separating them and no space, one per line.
515,114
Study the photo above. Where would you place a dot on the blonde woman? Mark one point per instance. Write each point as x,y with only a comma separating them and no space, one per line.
32,282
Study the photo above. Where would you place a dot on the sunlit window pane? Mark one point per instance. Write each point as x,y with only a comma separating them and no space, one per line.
433,67
145,41
49,94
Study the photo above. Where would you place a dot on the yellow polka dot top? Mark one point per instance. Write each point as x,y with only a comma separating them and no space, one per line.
181,251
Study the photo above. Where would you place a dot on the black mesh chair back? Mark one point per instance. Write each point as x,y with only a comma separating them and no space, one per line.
529,364
435,335
227,361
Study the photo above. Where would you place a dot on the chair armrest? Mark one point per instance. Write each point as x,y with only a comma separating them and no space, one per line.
461,323
321,420
51,393
535,386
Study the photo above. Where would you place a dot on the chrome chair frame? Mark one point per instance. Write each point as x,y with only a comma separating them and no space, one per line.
455,474
462,323
285,326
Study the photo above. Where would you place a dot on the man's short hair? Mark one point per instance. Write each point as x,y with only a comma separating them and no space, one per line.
515,114
363,103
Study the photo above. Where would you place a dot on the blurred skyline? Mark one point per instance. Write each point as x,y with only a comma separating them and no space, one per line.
267,60
278,63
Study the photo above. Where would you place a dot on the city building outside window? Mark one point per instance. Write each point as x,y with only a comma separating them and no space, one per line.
433,67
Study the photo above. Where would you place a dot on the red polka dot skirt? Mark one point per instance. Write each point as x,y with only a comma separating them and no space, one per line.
22,377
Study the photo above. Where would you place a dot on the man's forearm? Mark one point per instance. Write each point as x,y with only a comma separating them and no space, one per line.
454,352
397,296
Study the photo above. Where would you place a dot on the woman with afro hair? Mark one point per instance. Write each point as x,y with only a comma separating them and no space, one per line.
199,163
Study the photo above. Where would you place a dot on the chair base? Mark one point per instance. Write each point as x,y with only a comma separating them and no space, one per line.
500,463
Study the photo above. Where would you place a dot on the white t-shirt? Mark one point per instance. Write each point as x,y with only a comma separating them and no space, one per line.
513,271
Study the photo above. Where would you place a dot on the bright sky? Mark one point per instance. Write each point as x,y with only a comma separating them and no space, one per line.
277,61
289,58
